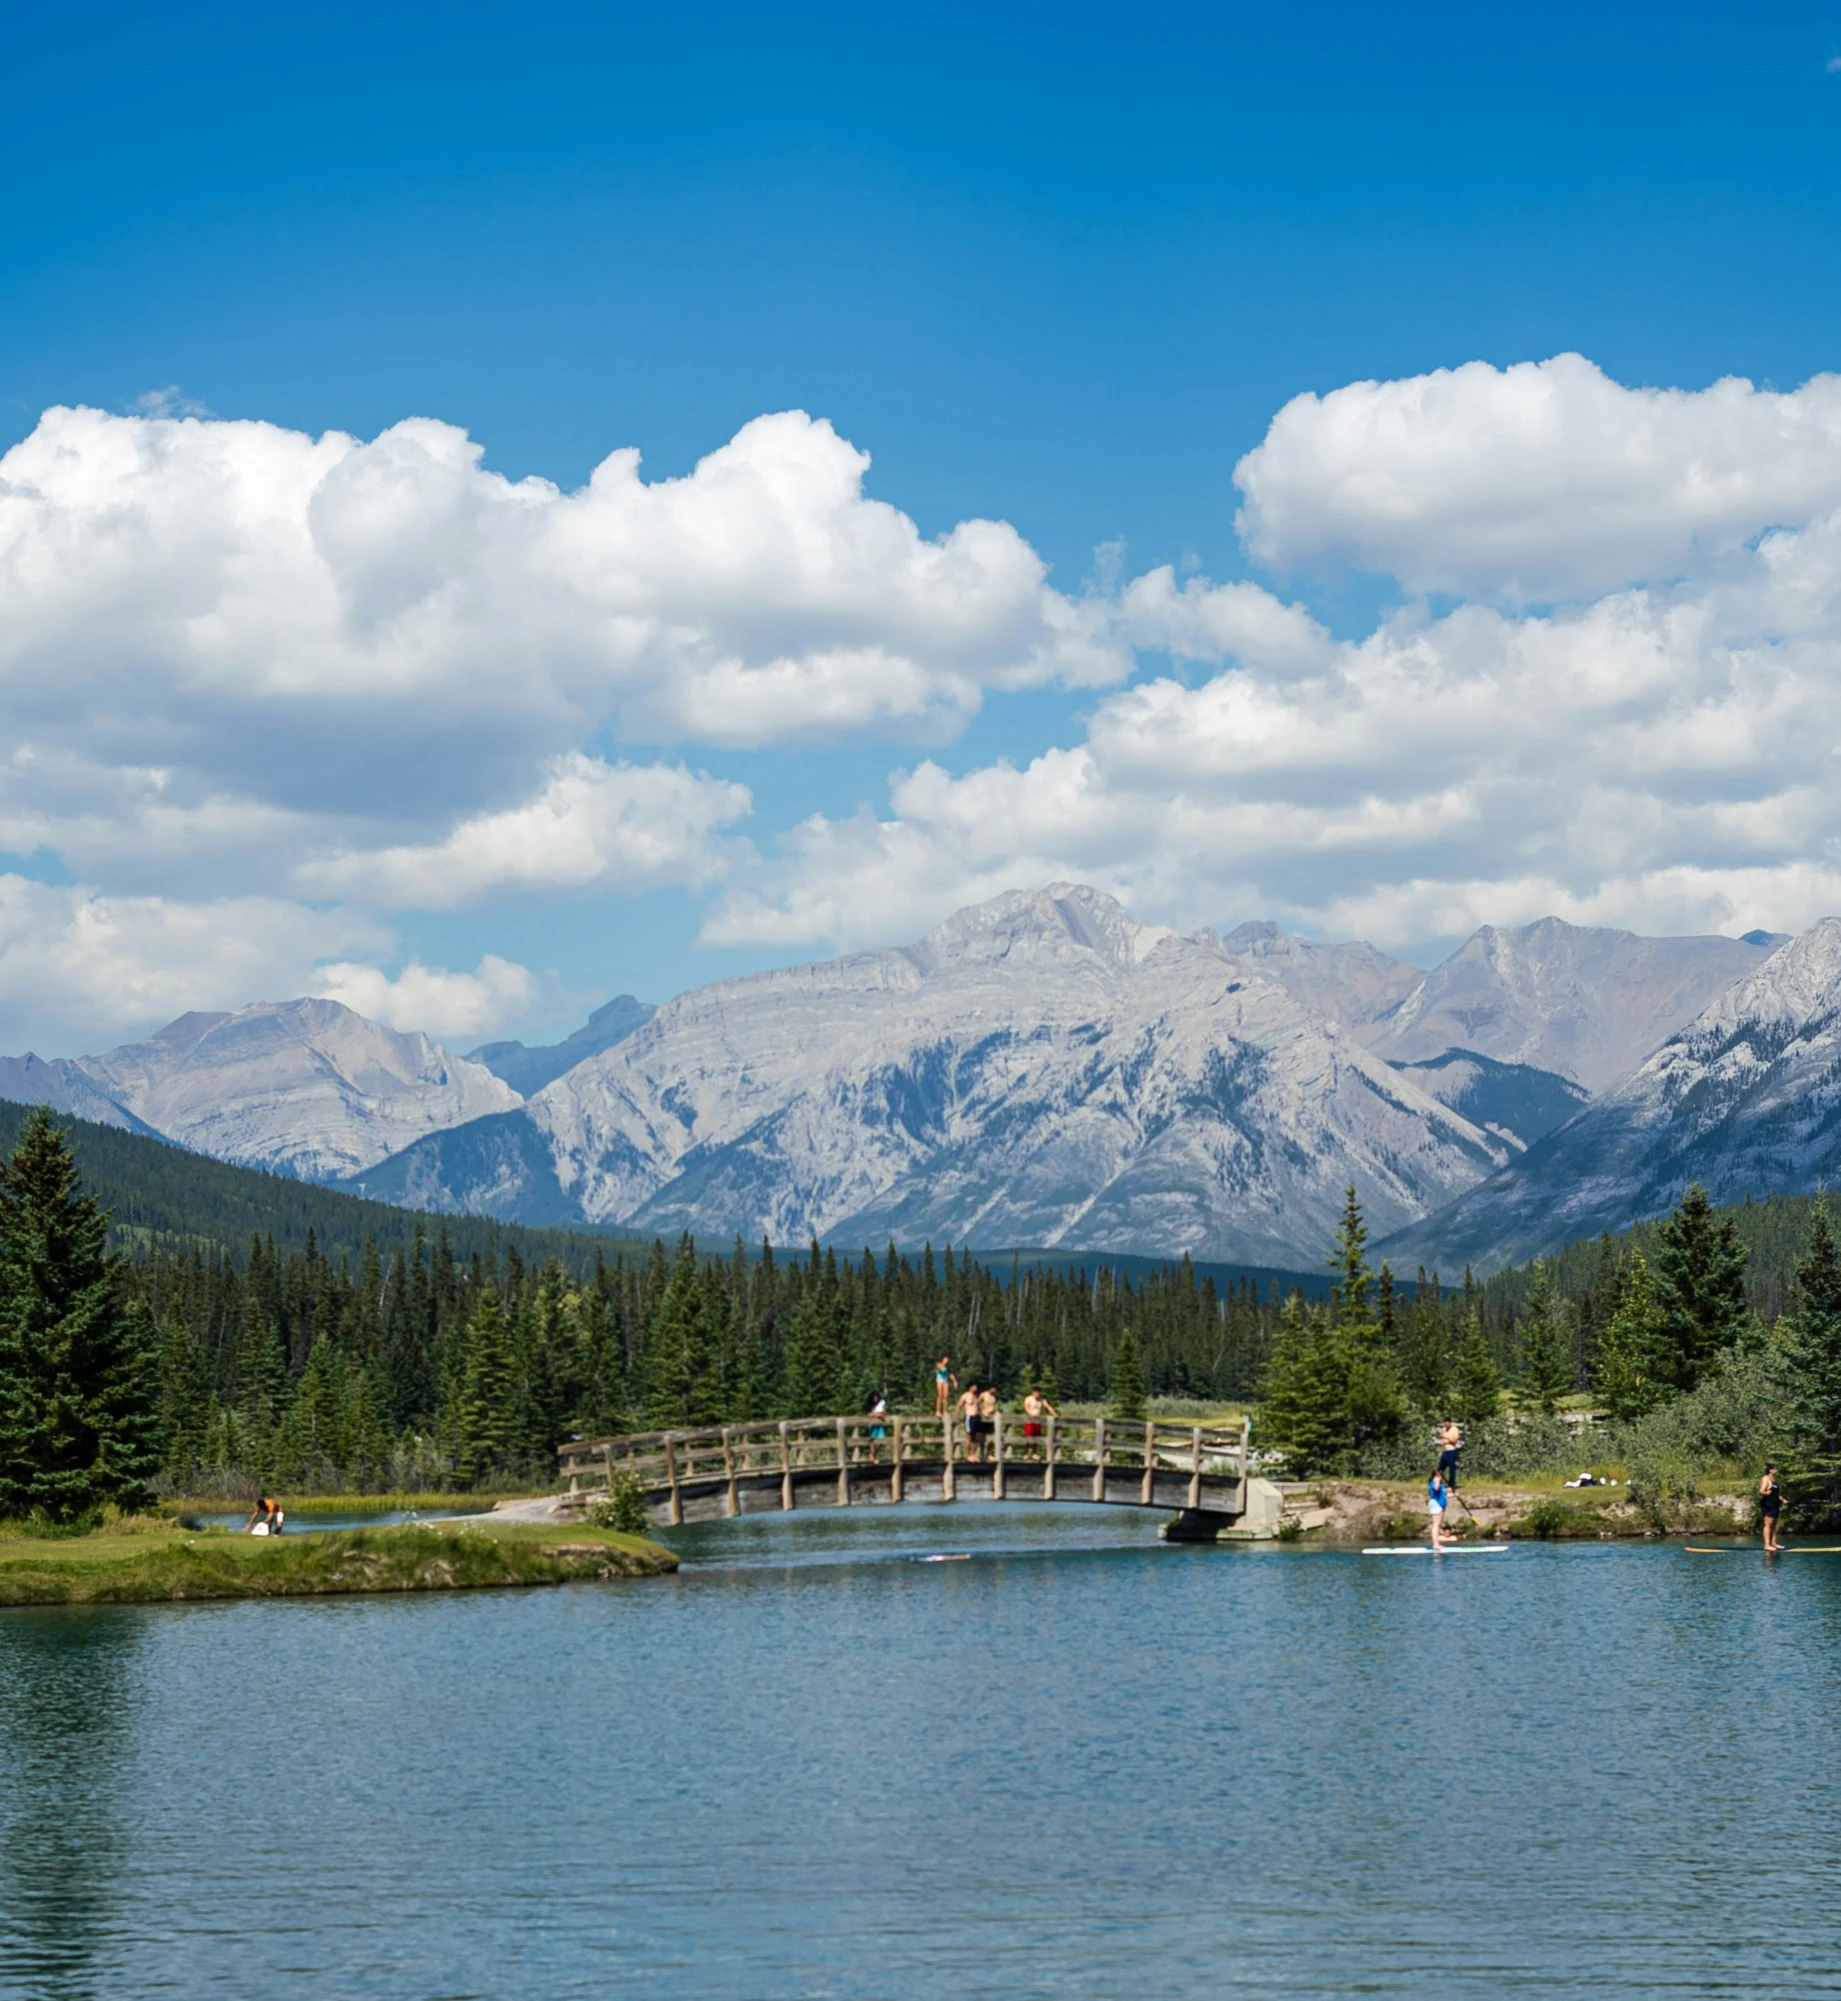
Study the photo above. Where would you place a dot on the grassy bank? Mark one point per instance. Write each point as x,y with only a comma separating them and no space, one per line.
161,1564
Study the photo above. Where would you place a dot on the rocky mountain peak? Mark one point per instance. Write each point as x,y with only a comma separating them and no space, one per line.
1064,921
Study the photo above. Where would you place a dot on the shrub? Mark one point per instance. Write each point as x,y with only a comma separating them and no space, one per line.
622,1507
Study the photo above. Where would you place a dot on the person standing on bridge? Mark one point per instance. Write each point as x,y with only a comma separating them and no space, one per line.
1036,1407
878,1423
967,1407
987,1417
944,1383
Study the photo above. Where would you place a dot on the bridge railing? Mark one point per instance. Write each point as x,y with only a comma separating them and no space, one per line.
1064,1450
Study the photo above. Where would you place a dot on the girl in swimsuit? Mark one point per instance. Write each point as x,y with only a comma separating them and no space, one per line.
943,1380
1770,1506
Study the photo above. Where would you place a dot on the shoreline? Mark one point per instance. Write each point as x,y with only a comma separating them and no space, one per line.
152,1566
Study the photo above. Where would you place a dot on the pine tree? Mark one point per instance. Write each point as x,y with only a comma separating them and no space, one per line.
1623,1377
1304,1395
1476,1387
1546,1363
77,1378
485,1415
1811,1348
1700,1289
1349,1261
185,1406
1127,1400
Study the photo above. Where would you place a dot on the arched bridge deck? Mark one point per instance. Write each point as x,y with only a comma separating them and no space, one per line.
717,1473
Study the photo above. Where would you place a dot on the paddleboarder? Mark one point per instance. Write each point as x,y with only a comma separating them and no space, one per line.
1438,1497
1770,1506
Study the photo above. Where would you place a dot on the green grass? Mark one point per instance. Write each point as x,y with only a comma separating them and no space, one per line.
134,1564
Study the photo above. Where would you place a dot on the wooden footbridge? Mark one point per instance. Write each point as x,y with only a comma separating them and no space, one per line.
1197,1472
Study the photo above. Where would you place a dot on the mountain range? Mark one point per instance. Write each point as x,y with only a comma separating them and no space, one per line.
1042,1070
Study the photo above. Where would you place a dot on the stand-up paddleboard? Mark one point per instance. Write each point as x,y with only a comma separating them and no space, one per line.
1757,1549
1450,1549
950,1556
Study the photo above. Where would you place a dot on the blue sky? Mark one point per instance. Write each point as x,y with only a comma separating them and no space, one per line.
1054,268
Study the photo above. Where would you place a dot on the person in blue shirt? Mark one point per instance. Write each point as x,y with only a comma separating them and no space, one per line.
1438,1498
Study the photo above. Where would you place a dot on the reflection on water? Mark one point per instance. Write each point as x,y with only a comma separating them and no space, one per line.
66,1737
1079,1763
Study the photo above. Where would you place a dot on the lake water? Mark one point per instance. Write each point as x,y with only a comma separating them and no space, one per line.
1080,1763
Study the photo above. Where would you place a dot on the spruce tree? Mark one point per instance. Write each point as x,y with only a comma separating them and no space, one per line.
1811,1349
485,1417
1476,1387
1546,1361
1623,1370
1304,1394
1127,1400
77,1378
1700,1289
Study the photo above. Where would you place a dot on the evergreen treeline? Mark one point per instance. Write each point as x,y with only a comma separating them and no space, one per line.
431,1352
421,1369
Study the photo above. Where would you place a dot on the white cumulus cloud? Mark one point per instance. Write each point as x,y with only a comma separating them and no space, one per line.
452,1007
1539,482
620,826
1660,758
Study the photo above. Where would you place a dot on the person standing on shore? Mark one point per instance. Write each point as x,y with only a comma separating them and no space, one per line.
1770,1506
1450,1444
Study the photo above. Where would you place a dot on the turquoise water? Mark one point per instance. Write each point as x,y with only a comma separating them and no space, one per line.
1080,1763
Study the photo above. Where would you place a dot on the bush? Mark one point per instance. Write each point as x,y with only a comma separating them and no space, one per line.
1552,1521
622,1507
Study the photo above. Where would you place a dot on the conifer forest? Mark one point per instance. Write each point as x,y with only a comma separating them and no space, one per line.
354,1367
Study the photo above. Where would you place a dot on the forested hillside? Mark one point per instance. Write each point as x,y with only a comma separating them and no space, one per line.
160,1194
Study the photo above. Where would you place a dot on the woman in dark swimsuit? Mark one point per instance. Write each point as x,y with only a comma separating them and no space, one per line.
1770,1506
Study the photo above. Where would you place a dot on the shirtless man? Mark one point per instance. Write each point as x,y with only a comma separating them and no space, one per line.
1450,1444
943,1382
967,1407
1036,1407
987,1418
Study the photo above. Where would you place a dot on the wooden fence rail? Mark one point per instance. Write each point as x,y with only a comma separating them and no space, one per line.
1054,1459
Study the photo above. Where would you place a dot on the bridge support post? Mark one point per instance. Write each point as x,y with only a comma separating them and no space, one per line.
1149,1490
733,1503
997,1478
1099,1458
1048,1468
671,1474
947,1491
901,1446
786,1466
1195,1468
843,1467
